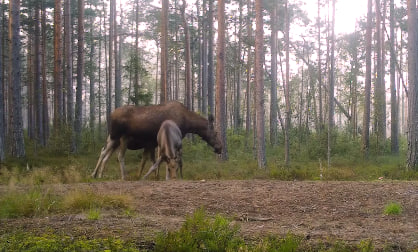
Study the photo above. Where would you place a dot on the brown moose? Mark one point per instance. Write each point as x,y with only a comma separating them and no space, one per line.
135,128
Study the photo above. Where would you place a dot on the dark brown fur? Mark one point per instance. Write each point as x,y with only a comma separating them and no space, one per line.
137,127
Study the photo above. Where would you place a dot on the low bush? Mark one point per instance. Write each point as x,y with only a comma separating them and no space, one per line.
38,202
393,208
52,242
200,233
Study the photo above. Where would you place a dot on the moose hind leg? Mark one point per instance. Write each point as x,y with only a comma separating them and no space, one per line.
107,152
121,158
147,154
103,153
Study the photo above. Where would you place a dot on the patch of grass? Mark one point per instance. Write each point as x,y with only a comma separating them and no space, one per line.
393,208
201,233
38,202
308,152
93,214
276,244
51,242
86,200
28,204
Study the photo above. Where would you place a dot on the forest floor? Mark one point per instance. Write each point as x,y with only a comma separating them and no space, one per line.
319,211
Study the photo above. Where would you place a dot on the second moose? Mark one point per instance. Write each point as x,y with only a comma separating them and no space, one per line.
169,140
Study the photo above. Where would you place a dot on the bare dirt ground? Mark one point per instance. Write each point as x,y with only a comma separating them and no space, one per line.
347,211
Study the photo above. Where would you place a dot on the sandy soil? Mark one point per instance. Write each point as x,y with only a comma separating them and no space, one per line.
348,211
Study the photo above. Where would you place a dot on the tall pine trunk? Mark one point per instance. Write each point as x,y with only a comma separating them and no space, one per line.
331,88
412,155
394,128
58,84
2,107
80,75
379,101
118,77
287,87
17,143
221,119
188,58
259,84
37,74
368,83
211,98
273,90
110,65
45,114
164,52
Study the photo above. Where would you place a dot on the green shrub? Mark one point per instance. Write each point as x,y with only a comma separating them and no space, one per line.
93,214
86,200
36,202
51,243
201,233
28,204
276,244
393,208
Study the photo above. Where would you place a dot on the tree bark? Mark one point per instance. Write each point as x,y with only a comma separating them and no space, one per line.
273,90
17,144
221,123
37,74
379,101
368,83
394,128
92,77
118,77
80,75
45,114
2,107
211,98
188,57
68,62
259,84
287,87
319,69
110,64
164,52
331,88
412,155
58,84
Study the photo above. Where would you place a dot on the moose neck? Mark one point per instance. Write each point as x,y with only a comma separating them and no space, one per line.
197,124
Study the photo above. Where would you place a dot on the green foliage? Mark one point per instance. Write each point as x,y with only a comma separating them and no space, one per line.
28,204
37,202
200,233
366,246
308,161
393,208
51,242
276,244
87,200
93,214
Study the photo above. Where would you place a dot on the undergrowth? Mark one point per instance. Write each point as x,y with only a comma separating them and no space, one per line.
200,232
307,161
42,202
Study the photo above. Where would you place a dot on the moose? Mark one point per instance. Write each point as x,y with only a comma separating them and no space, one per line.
169,139
135,128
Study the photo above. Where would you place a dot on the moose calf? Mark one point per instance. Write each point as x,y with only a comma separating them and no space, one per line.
169,149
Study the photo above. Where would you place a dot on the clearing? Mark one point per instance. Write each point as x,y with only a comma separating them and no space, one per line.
347,211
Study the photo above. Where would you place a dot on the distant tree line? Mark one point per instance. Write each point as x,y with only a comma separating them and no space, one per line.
65,65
